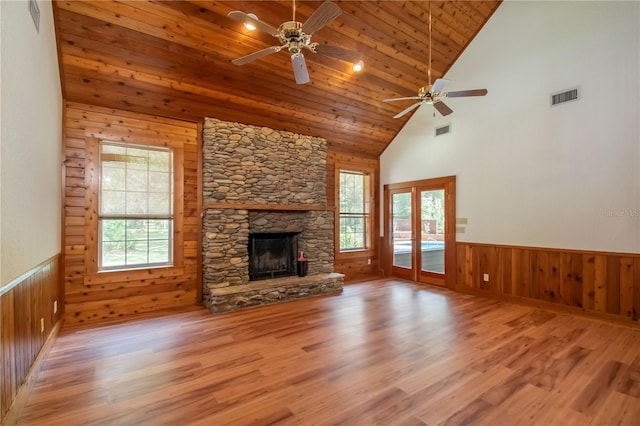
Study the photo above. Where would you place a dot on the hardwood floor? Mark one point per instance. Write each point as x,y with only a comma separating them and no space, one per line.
383,352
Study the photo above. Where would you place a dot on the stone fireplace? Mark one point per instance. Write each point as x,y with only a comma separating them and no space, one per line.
259,183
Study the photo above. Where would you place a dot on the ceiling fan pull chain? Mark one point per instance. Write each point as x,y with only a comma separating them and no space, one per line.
429,69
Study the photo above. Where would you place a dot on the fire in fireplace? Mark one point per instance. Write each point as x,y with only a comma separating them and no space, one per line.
272,255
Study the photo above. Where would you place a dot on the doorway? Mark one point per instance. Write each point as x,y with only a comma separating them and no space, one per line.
420,230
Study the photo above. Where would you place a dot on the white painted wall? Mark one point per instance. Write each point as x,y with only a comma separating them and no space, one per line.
529,174
30,141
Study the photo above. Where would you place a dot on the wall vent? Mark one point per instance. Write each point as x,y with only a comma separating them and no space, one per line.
566,96
443,130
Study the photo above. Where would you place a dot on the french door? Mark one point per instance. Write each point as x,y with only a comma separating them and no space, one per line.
420,230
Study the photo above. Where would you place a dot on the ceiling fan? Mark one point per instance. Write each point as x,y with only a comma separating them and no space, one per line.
432,93
295,37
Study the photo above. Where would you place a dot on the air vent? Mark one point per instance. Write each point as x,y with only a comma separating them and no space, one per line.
443,130
566,96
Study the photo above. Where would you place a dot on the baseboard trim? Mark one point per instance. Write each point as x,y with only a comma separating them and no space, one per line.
550,306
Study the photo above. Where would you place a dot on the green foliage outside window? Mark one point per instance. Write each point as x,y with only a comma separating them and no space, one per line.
353,211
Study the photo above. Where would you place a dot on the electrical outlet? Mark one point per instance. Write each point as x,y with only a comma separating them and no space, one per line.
369,261
486,277
41,325
55,306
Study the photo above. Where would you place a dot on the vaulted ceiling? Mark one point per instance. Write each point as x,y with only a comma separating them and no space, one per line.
173,58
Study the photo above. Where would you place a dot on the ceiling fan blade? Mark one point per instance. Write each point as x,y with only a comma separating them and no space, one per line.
439,84
408,110
256,55
339,53
401,99
300,68
442,108
326,13
463,93
242,17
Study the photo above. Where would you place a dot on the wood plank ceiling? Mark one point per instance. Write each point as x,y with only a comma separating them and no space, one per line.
173,58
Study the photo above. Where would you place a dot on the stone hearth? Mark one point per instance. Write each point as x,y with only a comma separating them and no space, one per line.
265,292
258,180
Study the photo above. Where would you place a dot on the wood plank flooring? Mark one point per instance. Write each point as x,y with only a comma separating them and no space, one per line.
385,352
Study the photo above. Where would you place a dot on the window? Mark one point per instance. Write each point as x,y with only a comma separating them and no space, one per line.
135,206
354,211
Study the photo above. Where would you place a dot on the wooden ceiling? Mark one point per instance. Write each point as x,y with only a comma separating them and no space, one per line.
173,58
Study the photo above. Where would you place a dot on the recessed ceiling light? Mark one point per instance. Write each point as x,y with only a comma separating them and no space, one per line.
358,66
249,25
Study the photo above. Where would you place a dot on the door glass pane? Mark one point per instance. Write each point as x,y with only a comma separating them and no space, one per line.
402,229
432,230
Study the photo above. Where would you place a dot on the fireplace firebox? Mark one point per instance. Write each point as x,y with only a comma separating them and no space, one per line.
272,255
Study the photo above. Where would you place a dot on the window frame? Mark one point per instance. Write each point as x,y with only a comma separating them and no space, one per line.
93,274
368,207
170,217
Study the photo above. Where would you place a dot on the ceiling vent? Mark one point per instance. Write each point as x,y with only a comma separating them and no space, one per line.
566,96
443,130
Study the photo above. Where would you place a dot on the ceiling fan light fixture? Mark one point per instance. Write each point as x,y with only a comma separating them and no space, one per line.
358,66
248,25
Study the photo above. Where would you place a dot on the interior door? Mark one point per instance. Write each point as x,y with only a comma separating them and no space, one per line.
403,257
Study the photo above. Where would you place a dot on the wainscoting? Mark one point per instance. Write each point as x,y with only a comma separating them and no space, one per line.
603,284
28,320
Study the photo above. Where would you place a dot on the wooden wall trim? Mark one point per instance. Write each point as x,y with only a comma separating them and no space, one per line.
255,206
199,213
551,249
599,283
23,277
28,323
23,392
562,309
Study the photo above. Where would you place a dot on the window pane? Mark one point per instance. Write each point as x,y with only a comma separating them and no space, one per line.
137,203
113,230
351,193
137,159
159,241
135,242
159,161
135,181
112,203
353,211
159,182
113,247
159,204
136,230
352,232
137,253
113,176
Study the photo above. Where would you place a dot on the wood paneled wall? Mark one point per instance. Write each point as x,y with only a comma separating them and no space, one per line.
365,263
91,295
27,321
604,284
